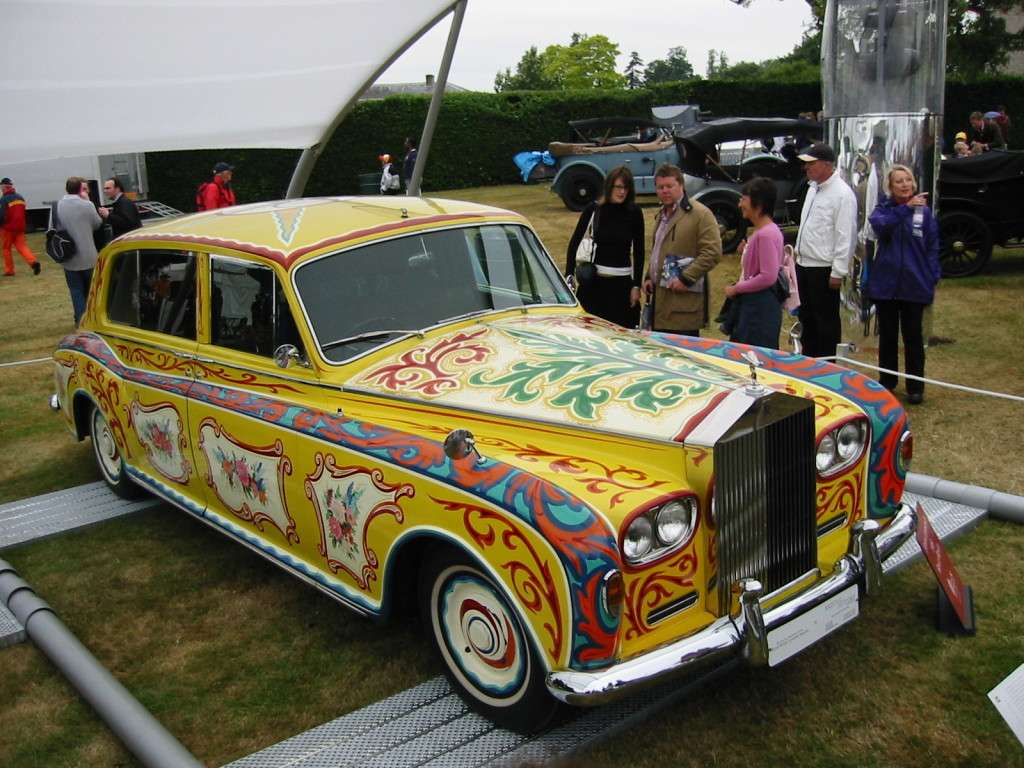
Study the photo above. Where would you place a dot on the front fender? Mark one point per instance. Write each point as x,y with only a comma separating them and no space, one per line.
717,191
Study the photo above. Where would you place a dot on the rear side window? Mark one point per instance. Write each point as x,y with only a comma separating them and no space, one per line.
154,290
249,310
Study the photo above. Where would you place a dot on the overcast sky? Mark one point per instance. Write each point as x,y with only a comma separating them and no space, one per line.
496,33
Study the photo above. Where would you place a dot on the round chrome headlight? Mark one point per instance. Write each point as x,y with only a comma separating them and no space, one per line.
850,441
826,454
674,521
639,539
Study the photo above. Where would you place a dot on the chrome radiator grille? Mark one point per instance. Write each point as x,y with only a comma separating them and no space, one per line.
764,496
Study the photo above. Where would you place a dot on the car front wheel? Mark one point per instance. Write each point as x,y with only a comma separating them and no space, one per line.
580,188
966,243
108,457
486,653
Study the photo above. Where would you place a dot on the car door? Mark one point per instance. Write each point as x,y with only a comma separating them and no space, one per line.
246,410
151,327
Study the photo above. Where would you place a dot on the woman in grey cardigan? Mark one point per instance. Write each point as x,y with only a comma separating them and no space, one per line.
79,217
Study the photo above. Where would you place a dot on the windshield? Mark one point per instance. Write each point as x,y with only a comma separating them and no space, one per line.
363,297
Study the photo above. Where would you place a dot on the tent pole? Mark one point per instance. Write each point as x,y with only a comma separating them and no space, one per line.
308,158
440,83
303,169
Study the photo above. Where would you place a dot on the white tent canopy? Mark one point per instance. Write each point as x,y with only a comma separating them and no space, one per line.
90,77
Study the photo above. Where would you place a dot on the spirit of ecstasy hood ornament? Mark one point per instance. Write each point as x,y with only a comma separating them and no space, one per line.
754,388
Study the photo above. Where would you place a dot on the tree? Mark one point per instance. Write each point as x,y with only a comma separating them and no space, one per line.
977,39
634,72
588,62
529,75
718,62
673,68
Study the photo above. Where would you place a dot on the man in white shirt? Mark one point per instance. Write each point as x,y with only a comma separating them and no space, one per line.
824,247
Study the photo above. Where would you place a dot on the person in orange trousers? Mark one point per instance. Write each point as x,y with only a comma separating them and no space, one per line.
12,228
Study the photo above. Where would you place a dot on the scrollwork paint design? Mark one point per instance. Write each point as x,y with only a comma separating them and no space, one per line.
429,371
502,539
646,592
348,500
585,544
589,378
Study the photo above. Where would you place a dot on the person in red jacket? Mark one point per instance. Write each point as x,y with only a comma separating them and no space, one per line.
12,228
218,192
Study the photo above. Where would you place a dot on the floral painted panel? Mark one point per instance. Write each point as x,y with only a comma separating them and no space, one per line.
248,480
160,430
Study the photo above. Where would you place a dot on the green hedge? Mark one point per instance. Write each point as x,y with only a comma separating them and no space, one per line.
478,134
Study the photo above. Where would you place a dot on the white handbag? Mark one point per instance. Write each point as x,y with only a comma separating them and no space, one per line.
585,250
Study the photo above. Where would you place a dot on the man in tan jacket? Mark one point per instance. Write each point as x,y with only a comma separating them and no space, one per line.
687,245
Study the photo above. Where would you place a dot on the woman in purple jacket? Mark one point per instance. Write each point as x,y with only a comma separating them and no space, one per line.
901,279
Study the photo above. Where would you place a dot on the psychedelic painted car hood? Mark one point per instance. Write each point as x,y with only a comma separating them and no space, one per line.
571,370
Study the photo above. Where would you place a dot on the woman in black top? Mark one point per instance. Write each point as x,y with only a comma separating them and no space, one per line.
614,292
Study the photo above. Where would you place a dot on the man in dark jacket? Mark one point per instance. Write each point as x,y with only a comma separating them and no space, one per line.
984,134
12,227
122,215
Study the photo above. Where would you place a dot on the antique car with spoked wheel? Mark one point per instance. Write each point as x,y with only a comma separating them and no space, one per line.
718,157
726,153
979,206
400,399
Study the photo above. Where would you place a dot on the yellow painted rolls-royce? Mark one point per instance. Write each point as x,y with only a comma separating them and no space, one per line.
399,395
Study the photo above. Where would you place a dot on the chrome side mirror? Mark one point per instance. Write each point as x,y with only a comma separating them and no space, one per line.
287,355
459,444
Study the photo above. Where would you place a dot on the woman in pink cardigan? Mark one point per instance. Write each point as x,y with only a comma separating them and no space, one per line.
756,312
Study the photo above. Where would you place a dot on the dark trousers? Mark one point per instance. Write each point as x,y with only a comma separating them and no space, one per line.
819,312
895,318
608,297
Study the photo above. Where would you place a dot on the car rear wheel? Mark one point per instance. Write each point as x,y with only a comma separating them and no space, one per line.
580,188
966,243
731,224
486,653
108,457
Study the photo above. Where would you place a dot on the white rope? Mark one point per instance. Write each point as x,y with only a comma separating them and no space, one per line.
28,362
959,387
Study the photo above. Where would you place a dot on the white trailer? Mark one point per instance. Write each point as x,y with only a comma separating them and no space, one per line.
42,182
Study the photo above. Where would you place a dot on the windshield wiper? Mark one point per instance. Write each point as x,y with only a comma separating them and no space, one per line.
370,335
467,315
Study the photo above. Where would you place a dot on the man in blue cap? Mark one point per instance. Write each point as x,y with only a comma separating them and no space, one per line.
218,192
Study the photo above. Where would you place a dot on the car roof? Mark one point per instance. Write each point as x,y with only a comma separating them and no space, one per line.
994,165
706,135
285,230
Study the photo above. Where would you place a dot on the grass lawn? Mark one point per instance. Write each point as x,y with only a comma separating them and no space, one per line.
233,655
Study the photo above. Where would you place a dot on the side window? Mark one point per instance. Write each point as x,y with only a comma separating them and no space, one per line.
154,290
248,309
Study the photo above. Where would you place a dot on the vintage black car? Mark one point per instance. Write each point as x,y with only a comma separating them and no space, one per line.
980,204
726,153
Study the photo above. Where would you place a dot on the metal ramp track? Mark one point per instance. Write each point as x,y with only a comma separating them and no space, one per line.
428,726
52,514
425,726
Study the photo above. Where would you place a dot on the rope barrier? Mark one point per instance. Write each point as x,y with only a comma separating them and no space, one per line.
27,362
839,358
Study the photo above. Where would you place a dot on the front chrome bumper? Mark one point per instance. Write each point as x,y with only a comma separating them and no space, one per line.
745,634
